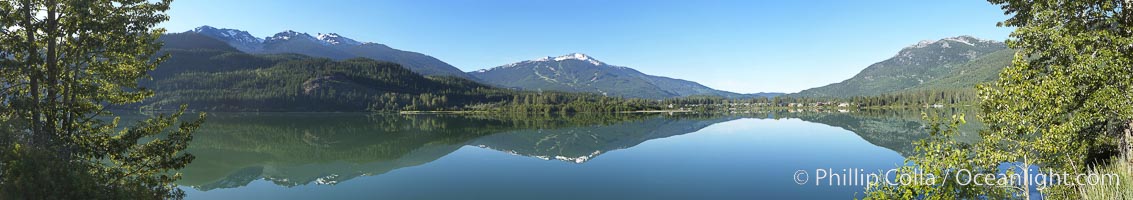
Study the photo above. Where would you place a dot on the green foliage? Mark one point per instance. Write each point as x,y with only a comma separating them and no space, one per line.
941,157
63,63
30,173
553,102
909,99
919,98
1067,96
116,166
1062,105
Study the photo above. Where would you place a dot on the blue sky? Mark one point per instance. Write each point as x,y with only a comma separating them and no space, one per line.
740,46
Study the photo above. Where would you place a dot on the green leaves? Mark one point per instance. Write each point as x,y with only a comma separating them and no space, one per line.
1068,83
942,157
64,62
1060,105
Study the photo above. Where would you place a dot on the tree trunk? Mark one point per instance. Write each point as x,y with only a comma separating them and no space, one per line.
38,134
1128,139
51,66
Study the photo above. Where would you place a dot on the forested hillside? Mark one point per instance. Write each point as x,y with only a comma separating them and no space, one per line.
212,76
578,72
953,64
328,45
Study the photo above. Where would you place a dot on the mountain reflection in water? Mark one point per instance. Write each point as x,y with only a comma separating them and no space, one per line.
292,149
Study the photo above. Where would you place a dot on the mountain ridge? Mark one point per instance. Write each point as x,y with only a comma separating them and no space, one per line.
330,45
921,66
209,74
578,72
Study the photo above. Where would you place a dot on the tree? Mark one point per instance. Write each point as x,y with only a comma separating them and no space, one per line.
938,162
64,63
1069,92
1062,105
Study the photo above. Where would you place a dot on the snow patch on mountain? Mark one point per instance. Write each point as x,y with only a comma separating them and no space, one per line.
960,40
289,35
228,34
241,40
964,39
572,56
543,59
922,44
578,56
335,39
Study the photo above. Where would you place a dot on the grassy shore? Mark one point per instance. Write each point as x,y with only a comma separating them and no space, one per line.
1123,167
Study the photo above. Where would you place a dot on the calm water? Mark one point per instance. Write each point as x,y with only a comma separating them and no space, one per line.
630,156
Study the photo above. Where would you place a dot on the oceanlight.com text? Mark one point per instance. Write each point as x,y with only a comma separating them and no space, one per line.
860,177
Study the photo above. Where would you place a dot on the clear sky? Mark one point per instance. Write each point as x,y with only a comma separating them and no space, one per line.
741,46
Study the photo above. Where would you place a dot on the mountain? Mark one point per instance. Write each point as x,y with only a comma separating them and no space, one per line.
335,39
195,41
329,45
208,74
897,130
320,148
980,70
241,40
302,43
949,63
578,72
295,149
578,144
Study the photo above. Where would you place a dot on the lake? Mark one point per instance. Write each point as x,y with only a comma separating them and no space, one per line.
612,156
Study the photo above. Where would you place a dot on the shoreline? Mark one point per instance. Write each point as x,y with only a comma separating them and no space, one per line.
490,112
657,111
